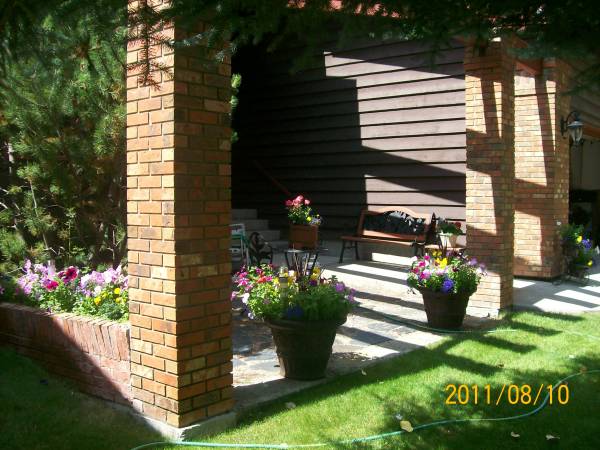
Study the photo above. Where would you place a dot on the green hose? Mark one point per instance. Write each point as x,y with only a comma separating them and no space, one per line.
396,433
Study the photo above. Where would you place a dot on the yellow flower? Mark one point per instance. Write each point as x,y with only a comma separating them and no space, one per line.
118,300
97,300
590,263
579,239
117,291
443,263
309,218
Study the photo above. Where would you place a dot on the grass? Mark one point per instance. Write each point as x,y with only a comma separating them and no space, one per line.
42,412
542,351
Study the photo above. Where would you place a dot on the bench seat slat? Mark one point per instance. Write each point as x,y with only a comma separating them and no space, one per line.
379,240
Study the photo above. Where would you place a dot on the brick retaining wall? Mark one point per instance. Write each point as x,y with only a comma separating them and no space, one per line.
92,352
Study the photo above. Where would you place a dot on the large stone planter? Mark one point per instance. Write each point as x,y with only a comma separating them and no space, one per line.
444,310
304,236
303,347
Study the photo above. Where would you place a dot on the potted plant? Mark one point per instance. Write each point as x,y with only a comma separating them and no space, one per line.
448,233
577,251
304,223
446,285
303,314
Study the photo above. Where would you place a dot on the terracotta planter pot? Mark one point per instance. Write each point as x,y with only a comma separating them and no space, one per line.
448,240
445,311
303,348
304,236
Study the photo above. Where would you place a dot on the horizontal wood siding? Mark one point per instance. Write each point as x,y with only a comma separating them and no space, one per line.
369,126
588,104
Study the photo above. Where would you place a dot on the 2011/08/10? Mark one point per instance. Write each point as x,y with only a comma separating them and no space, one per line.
524,394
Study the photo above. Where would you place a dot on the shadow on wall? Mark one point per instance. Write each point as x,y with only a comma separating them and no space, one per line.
92,353
374,125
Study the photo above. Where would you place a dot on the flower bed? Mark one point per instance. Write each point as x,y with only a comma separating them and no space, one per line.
93,352
81,291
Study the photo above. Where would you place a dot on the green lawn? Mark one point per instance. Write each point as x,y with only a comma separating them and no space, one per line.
544,350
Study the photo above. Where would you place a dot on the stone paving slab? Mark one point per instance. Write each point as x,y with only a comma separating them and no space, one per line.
365,339
368,336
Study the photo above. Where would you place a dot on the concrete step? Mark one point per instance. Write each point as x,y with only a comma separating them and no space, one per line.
270,235
255,225
239,215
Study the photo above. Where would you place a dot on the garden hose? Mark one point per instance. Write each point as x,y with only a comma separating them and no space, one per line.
399,432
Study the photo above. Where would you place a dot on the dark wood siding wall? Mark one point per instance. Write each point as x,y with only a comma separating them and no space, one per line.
373,125
588,105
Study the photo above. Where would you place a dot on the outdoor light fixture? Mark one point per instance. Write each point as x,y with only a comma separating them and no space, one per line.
574,127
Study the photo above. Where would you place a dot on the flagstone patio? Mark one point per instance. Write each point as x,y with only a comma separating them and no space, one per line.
375,330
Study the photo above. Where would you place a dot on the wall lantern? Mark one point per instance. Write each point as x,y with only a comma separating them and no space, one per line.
574,127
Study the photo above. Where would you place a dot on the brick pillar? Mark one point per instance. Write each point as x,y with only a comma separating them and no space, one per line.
178,186
541,169
490,170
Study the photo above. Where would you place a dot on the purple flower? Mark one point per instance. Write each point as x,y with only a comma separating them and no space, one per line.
351,295
447,285
473,262
339,287
294,312
313,282
587,244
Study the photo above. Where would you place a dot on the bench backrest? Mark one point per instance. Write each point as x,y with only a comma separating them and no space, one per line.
396,223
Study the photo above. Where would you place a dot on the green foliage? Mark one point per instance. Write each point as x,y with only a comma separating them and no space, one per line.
62,125
270,294
323,301
447,227
301,213
566,29
454,273
577,249
81,291
236,82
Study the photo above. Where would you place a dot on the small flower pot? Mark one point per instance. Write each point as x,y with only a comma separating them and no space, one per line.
303,347
304,236
444,310
448,240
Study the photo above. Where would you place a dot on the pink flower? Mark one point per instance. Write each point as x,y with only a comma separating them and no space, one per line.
50,285
289,203
306,201
68,275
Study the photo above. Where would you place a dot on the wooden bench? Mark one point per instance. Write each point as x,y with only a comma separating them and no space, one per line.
392,226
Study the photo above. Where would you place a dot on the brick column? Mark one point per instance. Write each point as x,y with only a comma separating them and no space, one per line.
541,169
489,100
178,186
